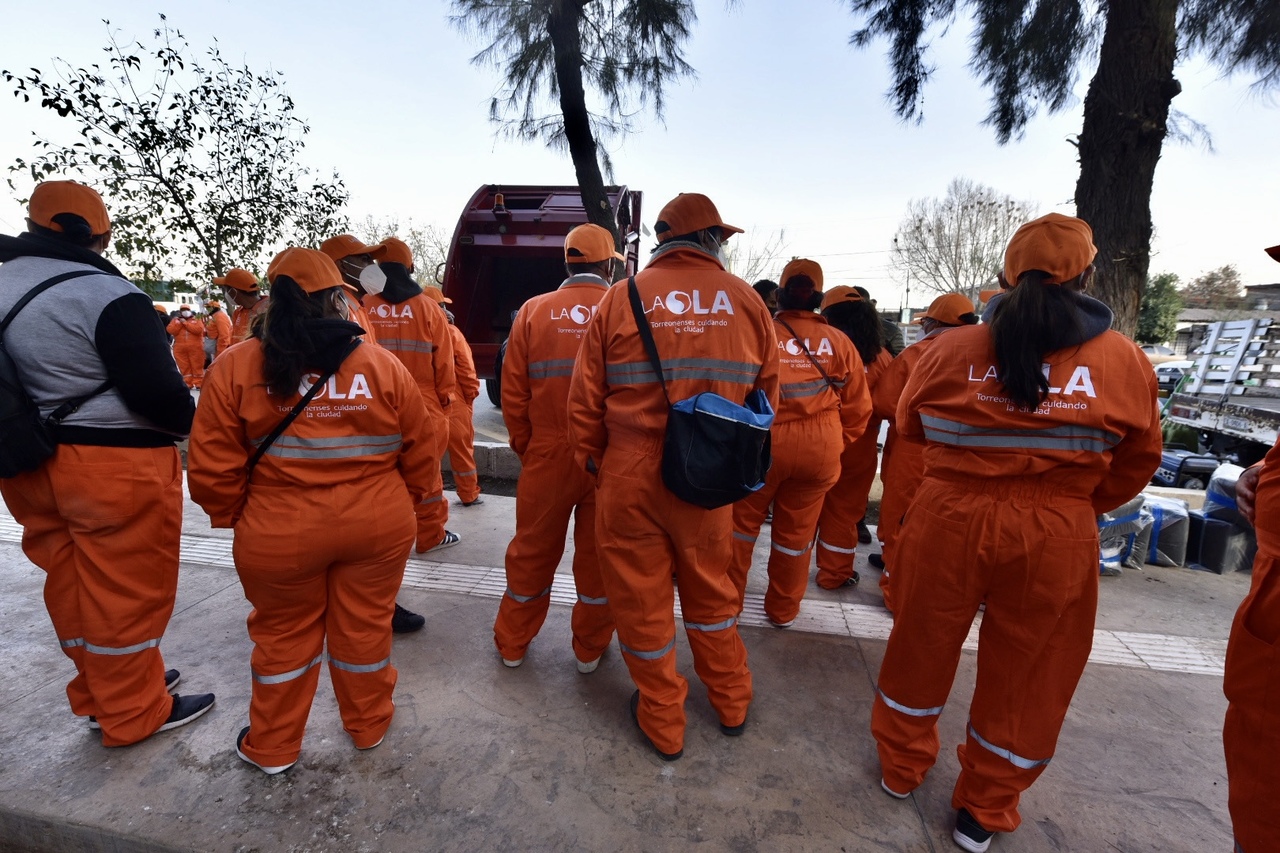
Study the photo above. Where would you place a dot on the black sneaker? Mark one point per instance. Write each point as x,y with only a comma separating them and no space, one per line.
851,581
479,500
876,561
969,834
665,756
864,533
406,621
268,769
187,709
734,731
171,679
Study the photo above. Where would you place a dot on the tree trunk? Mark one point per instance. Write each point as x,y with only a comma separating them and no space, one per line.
562,26
1125,117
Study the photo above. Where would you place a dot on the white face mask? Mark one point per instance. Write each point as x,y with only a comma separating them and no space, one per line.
342,306
185,313
373,279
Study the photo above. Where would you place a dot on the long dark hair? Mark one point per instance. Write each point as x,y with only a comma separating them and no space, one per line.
1031,321
860,321
288,347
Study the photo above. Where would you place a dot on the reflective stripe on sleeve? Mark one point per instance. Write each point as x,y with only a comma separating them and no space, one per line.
836,548
122,650
791,552
662,652
406,345
907,709
1069,437
595,601
717,626
797,390
359,667
711,369
525,599
286,676
1013,758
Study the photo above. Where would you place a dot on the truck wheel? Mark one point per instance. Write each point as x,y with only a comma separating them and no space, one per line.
493,385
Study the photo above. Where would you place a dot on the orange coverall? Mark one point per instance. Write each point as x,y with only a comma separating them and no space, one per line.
1006,514
242,318
813,426
902,465
846,501
218,328
322,532
713,333
417,333
462,428
1251,733
188,348
544,341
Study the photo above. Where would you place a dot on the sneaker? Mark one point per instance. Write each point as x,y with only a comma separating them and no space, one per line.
665,756
850,581
268,769
780,624
892,792
876,561
969,834
734,731
479,500
450,539
513,662
586,667
171,679
864,533
187,709
406,621
370,746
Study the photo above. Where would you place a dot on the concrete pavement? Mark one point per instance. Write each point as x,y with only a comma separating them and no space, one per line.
481,757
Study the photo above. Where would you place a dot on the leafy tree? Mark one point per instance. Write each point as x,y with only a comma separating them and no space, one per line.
197,158
753,256
1161,304
957,243
429,244
1220,288
623,51
1029,55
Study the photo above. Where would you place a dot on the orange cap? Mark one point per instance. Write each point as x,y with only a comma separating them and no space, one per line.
212,303
313,271
1061,246
161,309
392,249
947,308
344,246
839,293
1274,252
53,197
802,266
184,307
436,293
687,213
238,279
590,244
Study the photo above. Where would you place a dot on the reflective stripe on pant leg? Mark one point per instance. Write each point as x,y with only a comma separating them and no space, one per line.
592,618
285,677
1008,755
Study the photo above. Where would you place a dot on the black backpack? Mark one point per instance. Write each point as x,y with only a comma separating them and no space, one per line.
26,439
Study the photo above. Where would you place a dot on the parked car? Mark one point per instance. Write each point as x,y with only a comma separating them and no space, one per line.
1170,373
1159,354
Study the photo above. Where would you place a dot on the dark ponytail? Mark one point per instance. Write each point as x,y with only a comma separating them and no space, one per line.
861,324
287,346
1031,321
75,230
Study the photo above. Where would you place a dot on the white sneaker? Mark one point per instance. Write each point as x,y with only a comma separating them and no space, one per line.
586,667
512,663
892,792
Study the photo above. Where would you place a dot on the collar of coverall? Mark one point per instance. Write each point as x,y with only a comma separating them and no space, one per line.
672,247
585,278
1094,316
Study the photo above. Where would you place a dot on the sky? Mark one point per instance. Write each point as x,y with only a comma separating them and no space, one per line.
785,126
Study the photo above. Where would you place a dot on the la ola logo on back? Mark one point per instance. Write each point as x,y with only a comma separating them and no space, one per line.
358,387
387,310
792,346
678,302
580,314
1081,380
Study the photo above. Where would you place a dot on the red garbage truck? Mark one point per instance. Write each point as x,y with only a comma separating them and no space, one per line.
509,247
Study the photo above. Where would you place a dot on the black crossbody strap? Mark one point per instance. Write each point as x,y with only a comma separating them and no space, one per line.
830,383
646,334
70,406
302,404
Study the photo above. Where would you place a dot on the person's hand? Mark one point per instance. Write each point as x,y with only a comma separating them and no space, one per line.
1247,492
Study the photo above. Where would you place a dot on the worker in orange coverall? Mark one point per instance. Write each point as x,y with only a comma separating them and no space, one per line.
902,465
462,428
324,522
188,345
1251,733
713,333
412,325
1033,424
846,501
355,261
544,342
822,411
240,287
217,327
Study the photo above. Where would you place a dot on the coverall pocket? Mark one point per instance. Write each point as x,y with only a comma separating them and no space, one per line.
1062,570
99,491
1252,671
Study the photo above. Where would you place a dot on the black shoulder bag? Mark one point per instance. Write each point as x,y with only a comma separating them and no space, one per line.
302,404
714,451
27,439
